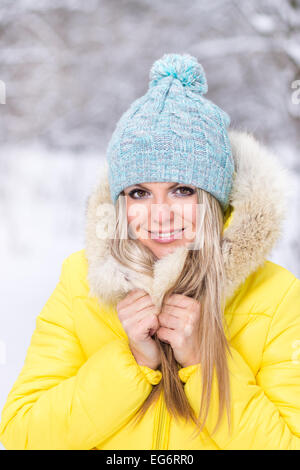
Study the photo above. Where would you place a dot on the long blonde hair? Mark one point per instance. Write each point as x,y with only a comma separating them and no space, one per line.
203,279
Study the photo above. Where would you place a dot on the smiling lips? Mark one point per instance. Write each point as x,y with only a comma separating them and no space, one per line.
165,237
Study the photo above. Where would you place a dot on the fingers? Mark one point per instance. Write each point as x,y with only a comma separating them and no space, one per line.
166,335
172,310
181,301
134,295
143,303
169,321
147,312
184,323
149,324
131,297
138,318
133,310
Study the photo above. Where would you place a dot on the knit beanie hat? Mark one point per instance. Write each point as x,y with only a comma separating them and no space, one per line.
173,134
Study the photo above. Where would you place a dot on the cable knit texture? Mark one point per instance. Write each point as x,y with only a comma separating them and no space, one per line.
173,134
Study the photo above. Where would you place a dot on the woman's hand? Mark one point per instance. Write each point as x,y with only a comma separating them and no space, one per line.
178,319
138,316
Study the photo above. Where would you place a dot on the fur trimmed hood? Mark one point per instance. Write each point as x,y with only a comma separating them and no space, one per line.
257,210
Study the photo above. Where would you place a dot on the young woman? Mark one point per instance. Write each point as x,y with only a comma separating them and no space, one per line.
170,329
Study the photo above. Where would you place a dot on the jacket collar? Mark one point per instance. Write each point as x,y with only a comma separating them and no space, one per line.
253,226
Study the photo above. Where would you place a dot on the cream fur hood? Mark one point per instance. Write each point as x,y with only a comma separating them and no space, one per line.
258,202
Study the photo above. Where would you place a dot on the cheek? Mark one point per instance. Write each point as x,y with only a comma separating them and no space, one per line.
136,215
194,214
189,213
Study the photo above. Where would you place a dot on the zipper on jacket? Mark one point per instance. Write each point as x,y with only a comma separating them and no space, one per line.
161,427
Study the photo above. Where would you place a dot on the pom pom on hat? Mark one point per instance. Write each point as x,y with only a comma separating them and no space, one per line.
182,67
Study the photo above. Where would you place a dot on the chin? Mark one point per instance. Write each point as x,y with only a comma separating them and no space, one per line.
163,250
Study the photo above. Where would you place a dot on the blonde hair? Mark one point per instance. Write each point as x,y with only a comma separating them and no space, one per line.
202,278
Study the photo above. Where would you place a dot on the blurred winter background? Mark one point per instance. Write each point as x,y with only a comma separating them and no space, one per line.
68,71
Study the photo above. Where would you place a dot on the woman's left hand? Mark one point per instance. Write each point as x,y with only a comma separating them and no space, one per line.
178,319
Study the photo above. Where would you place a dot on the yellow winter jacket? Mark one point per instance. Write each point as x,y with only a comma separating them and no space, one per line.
80,385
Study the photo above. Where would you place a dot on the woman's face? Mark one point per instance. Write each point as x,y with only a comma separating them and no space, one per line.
162,215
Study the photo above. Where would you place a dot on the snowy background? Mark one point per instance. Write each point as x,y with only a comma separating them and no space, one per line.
68,71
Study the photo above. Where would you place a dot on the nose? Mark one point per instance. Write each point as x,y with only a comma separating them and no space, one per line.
162,216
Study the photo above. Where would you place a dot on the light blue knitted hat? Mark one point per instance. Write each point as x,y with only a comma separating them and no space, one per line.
173,134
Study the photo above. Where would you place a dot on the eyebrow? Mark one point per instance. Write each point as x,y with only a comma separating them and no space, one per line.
144,187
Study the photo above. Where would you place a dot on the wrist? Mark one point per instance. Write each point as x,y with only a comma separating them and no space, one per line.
190,362
153,366
144,361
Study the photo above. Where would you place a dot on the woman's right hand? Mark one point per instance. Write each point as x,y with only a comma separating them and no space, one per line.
138,316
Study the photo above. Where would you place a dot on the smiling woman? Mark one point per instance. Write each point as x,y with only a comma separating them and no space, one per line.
186,342
162,207
162,215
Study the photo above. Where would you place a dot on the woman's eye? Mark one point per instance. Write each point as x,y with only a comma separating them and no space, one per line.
190,190
184,190
131,194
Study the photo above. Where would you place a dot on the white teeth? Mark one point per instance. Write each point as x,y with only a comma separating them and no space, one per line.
166,235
